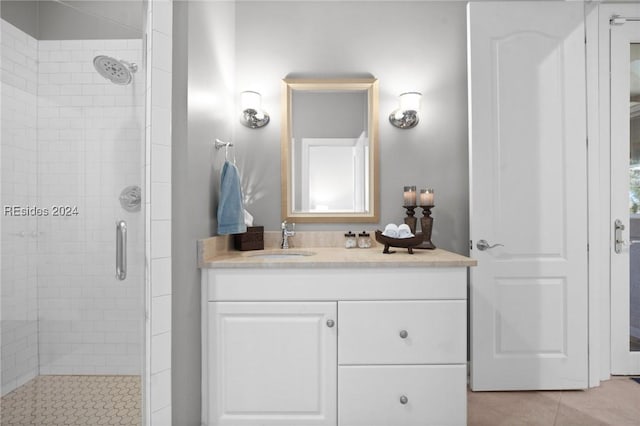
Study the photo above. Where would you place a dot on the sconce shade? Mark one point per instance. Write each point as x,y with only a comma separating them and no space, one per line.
406,116
250,100
252,115
410,101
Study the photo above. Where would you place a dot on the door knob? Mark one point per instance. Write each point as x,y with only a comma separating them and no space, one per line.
330,323
483,245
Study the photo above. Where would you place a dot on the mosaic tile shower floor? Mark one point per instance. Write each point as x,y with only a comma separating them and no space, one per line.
74,400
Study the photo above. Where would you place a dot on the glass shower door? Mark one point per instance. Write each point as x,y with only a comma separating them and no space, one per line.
72,150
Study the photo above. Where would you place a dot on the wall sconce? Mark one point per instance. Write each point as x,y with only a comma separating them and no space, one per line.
252,114
406,117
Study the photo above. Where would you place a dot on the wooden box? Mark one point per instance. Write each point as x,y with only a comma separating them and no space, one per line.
253,239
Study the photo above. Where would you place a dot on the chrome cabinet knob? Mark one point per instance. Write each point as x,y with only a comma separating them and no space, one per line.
404,334
404,400
330,323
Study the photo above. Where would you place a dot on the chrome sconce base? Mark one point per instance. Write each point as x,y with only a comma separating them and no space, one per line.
254,119
408,120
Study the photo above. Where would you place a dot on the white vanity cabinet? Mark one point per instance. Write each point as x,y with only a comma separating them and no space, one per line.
382,346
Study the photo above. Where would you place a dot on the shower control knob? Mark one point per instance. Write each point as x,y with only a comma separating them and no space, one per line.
330,323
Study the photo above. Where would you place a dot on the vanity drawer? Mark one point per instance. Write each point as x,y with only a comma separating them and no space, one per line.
405,332
417,395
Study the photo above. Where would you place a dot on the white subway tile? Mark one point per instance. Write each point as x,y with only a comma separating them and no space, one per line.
92,89
161,272
160,352
49,67
160,392
71,45
160,125
160,239
161,88
161,57
161,201
161,163
59,56
70,89
162,16
161,311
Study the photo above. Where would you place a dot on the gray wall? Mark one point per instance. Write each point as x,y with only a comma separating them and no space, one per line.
203,46
76,20
233,47
412,46
22,14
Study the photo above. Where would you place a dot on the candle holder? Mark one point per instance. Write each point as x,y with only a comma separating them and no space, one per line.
410,219
426,223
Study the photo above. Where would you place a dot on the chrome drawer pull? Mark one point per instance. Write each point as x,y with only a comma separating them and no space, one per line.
404,334
330,323
404,400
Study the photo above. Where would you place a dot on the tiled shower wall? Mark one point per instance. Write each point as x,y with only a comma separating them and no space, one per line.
70,138
19,233
158,222
90,133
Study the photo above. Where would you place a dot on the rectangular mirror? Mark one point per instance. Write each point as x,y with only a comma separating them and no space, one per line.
329,150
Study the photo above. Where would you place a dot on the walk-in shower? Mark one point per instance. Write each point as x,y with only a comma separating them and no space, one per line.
73,161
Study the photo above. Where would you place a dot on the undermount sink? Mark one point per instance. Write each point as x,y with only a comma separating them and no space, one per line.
281,254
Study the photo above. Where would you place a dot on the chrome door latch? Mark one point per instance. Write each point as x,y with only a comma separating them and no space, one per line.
618,227
483,245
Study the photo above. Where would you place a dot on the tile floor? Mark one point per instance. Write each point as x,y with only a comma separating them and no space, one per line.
115,400
616,402
74,400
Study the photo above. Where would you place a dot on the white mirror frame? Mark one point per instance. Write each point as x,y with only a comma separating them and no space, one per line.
288,86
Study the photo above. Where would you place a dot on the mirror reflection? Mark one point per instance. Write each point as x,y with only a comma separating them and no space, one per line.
329,150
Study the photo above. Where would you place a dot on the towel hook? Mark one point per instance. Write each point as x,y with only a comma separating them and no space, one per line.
222,144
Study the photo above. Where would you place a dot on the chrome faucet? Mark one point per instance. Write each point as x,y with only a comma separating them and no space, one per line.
288,230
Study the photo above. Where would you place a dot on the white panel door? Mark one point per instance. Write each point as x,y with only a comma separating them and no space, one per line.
625,194
528,193
273,363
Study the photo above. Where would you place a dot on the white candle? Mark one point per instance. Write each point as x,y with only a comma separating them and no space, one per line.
409,196
426,197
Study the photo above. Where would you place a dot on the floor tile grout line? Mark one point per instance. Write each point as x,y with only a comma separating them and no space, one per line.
555,418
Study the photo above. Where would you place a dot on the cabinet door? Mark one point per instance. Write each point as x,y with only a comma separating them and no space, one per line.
272,363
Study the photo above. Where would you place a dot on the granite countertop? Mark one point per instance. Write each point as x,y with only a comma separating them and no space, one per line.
335,257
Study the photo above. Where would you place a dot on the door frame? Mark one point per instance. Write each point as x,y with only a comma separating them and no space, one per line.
599,182
621,361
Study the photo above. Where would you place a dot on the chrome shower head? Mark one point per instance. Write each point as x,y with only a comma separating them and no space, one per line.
119,72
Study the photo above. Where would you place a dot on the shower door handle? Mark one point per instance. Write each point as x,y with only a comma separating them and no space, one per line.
121,250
